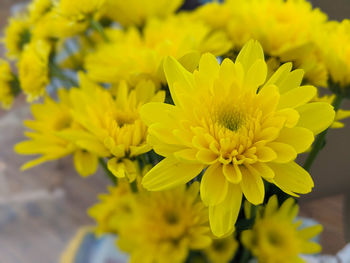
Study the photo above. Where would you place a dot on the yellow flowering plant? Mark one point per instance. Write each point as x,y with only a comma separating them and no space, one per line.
196,117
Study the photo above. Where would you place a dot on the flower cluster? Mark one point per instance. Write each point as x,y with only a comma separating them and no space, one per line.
193,115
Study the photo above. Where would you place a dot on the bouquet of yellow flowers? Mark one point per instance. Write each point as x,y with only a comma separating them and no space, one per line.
196,117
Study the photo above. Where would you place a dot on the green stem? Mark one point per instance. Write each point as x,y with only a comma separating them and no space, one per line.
321,138
99,28
55,71
245,256
133,186
108,173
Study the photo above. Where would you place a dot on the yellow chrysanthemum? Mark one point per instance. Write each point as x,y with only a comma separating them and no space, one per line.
284,28
50,119
136,12
240,128
6,82
33,68
39,8
276,235
333,41
17,35
80,10
114,209
165,226
52,25
340,114
113,125
222,250
135,57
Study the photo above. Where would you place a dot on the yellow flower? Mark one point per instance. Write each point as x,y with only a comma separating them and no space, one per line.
17,35
277,237
242,129
50,119
133,57
114,209
285,29
7,93
38,8
113,125
165,226
334,41
136,12
54,26
340,114
222,250
80,10
33,68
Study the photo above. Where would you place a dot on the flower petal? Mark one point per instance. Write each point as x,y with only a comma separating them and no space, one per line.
176,73
169,173
292,178
85,162
299,138
252,185
223,216
213,185
250,53
316,116
285,153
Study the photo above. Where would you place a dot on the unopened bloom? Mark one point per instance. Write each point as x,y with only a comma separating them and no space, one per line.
238,126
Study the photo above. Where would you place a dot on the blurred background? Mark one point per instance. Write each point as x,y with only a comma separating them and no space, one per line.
41,209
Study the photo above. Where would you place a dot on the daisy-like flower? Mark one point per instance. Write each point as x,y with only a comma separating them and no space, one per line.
112,124
136,12
50,119
17,35
238,127
277,236
7,92
114,208
166,226
285,29
133,56
222,250
80,10
33,68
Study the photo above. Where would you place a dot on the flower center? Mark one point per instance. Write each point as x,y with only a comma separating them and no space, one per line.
230,118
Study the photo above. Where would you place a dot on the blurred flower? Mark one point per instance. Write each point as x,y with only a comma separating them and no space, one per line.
80,11
114,209
334,41
33,69
239,127
222,250
133,56
7,82
285,29
17,35
165,226
38,8
50,120
276,235
136,12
